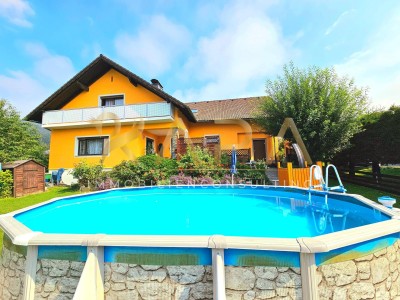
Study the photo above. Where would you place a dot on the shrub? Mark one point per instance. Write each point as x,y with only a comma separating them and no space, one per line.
127,171
254,172
89,175
182,179
197,162
6,184
148,169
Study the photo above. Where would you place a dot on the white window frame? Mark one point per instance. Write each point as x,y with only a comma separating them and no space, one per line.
106,145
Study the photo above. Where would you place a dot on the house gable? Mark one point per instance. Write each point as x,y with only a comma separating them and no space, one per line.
112,83
82,81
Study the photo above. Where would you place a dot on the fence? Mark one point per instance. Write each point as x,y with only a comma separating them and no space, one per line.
386,183
295,176
212,144
242,155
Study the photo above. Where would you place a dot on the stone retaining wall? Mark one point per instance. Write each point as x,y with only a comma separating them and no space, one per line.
123,281
12,275
58,279
375,276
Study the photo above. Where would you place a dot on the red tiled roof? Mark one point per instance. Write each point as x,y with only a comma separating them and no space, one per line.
239,108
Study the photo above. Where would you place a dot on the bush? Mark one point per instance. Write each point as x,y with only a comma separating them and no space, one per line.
6,184
254,172
197,162
182,179
89,175
148,169
127,170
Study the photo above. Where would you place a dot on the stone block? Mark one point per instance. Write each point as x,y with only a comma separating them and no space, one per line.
364,270
118,286
182,292
239,279
118,277
15,286
379,269
265,284
150,267
381,293
266,272
154,290
249,295
361,290
266,294
67,285
137,274
119,268
202,291
50,284
339,274
186,274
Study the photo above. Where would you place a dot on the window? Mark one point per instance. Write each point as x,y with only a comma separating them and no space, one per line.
92,145
211,139
149,146
116,100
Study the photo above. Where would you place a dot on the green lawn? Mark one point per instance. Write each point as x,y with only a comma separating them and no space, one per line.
395,171
11,204
367,192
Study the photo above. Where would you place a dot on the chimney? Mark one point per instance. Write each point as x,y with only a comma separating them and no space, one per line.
156,83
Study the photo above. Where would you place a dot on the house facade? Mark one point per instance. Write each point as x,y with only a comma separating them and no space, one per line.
105,112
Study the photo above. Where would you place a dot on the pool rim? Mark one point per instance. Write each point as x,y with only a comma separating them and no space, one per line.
22,235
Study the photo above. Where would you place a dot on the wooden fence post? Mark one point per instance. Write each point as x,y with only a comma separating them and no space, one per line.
290,173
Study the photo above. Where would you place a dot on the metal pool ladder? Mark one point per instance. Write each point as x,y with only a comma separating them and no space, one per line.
316,174
325,214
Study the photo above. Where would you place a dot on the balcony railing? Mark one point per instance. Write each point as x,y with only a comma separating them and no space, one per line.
135,112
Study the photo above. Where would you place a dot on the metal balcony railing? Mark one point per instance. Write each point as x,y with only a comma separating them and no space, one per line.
147,111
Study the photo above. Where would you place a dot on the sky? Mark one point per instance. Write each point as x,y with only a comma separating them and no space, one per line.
198,50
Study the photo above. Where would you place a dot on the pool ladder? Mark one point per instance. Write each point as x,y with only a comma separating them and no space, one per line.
316,175
325,214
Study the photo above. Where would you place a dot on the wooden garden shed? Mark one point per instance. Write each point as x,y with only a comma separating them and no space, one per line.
28,176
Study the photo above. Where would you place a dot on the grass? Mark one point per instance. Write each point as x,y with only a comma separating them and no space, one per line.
367,192
394,171
10,204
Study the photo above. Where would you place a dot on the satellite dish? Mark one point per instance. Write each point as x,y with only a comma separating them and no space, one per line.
67,178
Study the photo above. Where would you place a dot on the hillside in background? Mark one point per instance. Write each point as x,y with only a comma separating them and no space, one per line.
43,132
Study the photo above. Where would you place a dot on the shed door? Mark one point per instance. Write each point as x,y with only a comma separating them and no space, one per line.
259,149
30,179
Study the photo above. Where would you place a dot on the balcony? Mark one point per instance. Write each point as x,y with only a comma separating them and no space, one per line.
86,117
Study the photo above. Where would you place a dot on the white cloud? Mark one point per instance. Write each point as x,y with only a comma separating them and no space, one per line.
377,65
16,12
237,57
22,90
155,45
51,67
27,90
338,21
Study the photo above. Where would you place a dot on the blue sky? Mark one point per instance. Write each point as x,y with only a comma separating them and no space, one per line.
199,50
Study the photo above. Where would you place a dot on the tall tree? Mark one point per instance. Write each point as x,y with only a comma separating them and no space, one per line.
379,140
18,139
325,107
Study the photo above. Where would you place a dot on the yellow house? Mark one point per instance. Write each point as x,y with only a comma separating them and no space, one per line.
107,112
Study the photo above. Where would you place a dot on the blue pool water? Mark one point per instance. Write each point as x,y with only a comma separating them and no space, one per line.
229,211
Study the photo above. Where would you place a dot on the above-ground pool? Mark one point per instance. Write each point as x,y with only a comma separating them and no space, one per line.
228,211
204,242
